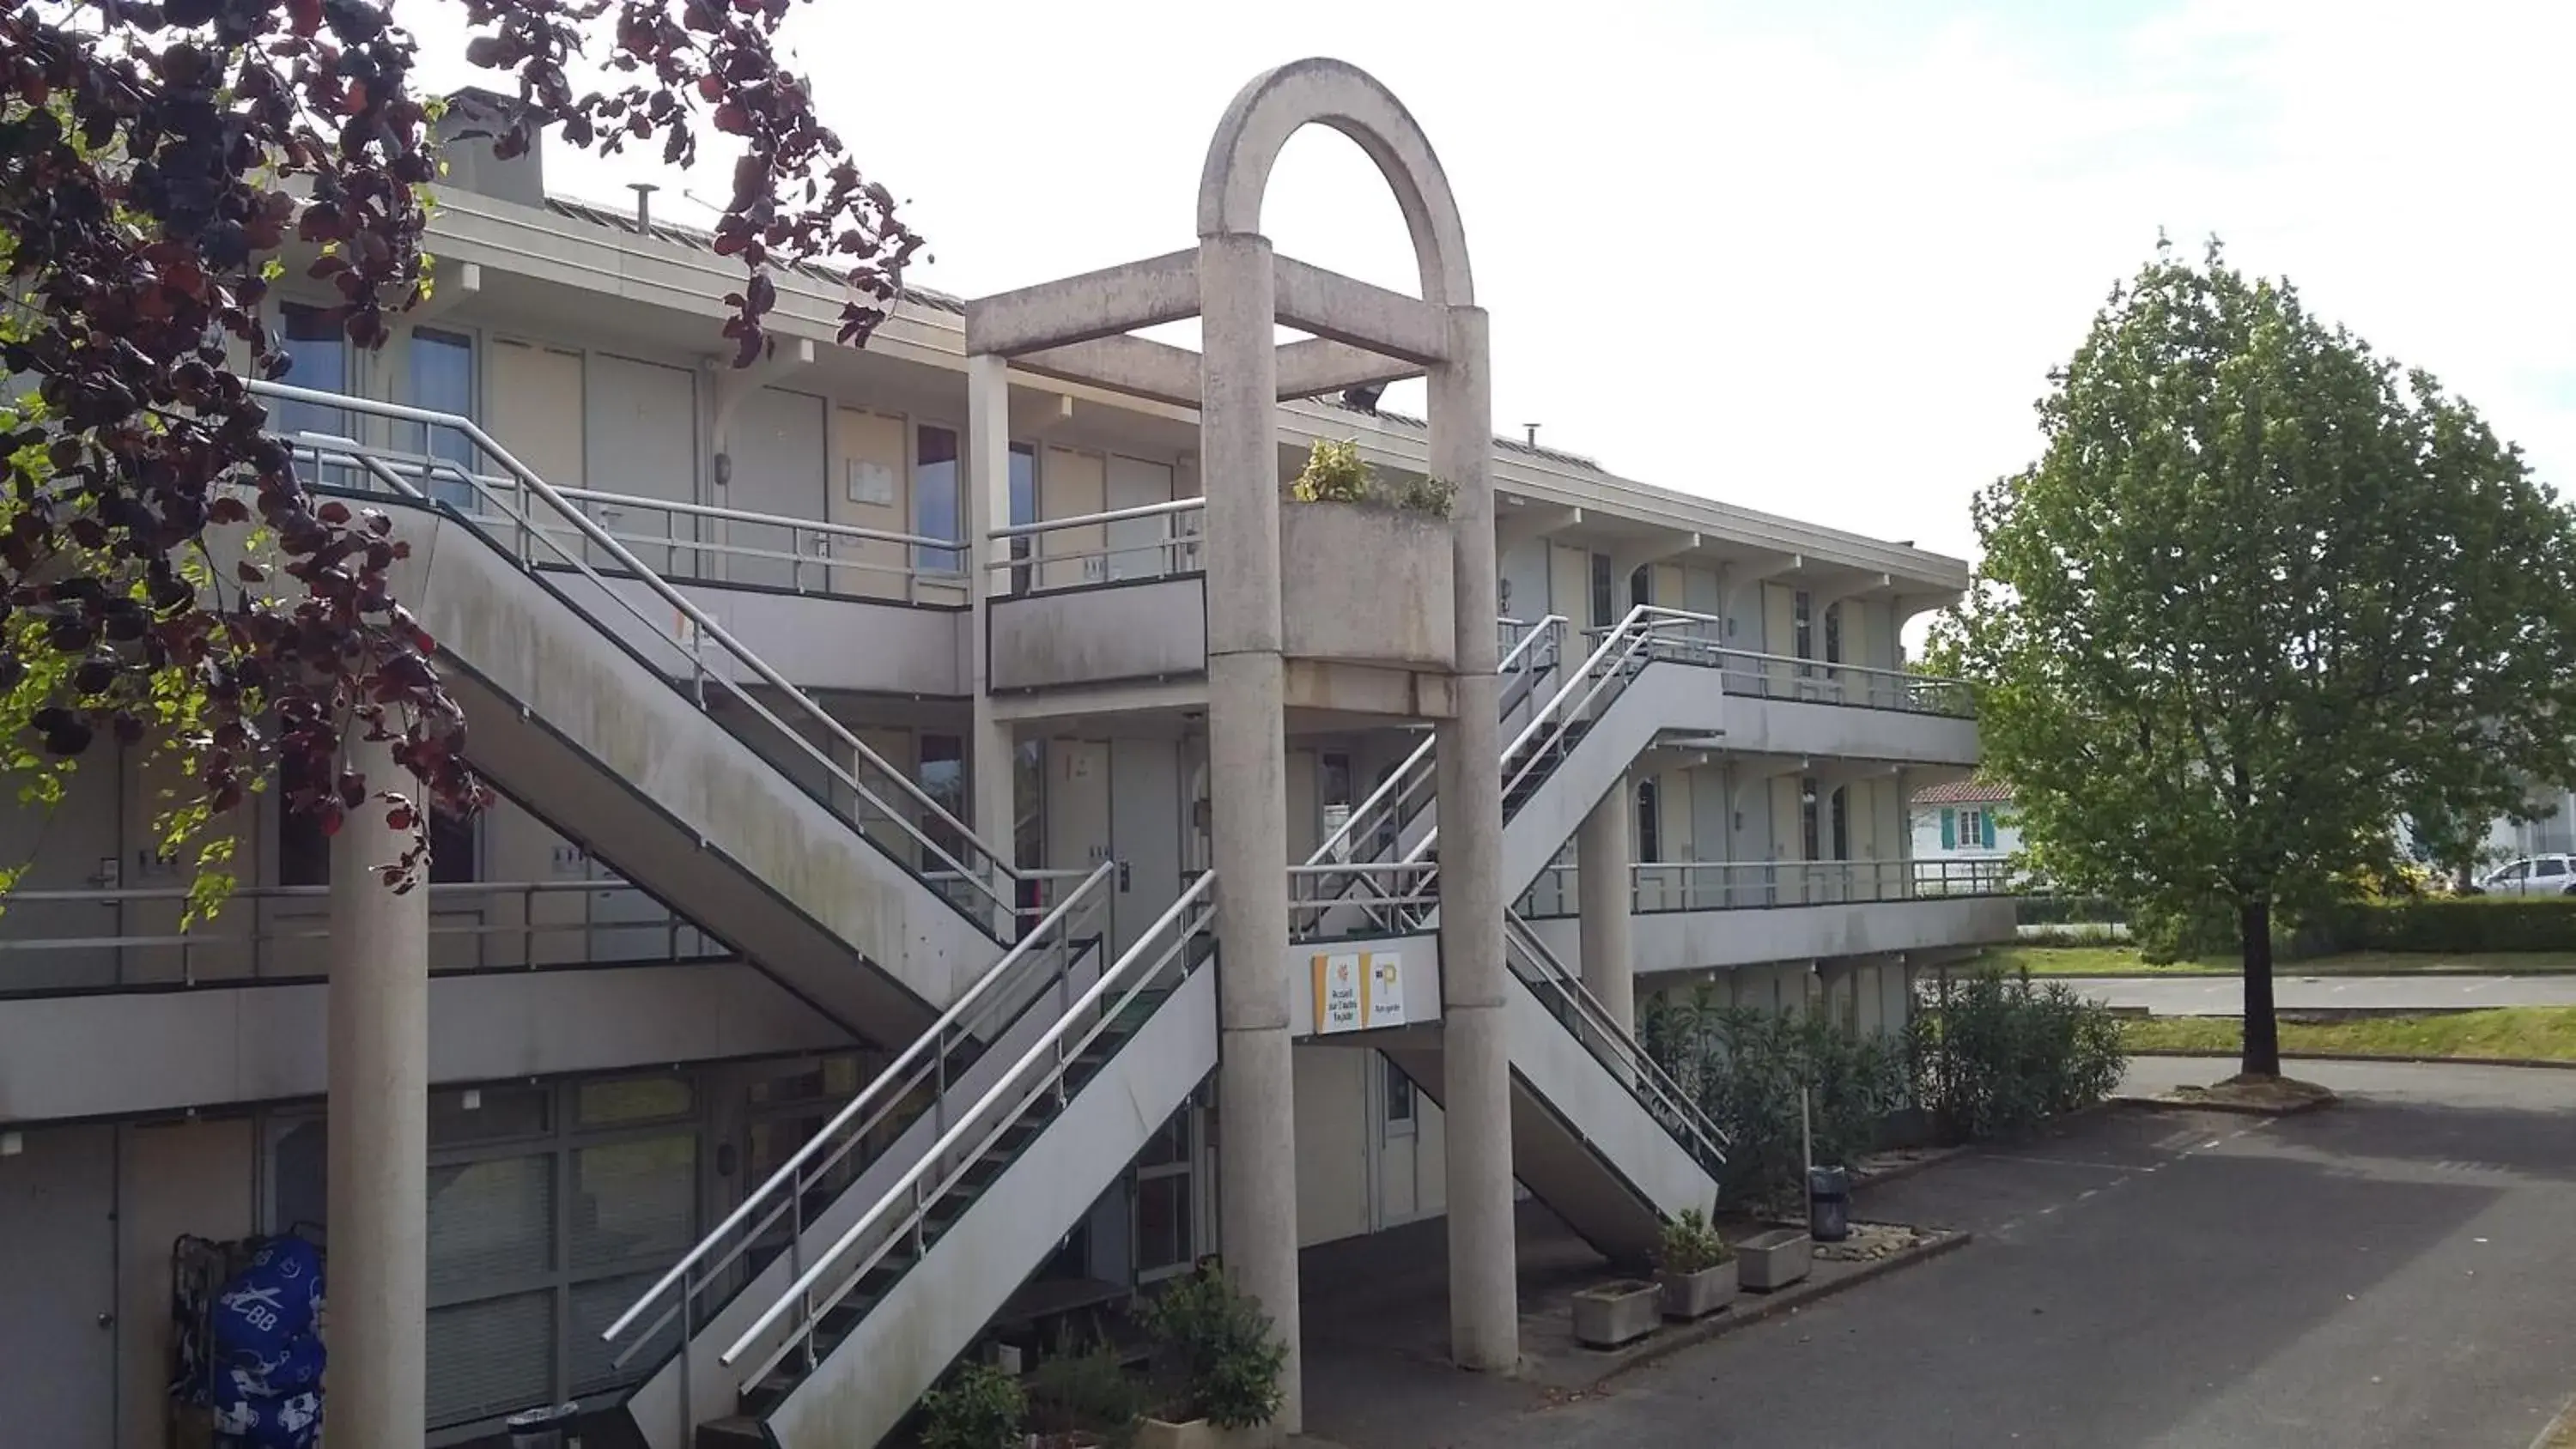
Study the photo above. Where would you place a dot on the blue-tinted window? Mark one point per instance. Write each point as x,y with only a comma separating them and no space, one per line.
934,498
442,380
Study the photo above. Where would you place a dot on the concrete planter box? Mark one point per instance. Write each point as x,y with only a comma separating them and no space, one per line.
1153,1433
1616,1313
1774,1259
1367,585
1697,1295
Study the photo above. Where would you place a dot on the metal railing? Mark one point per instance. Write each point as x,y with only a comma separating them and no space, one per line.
1696,638
1732,885
899,1219
531,517
1025,563
1580,1012
1039,966
1388,895
1409,786
472,924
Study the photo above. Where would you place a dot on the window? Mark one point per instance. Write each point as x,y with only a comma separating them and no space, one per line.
1166,1217
1976,831
1807,831
2549,866
1833,633
1641,586
1842,823
442,380
304,852
942,776
317,351
1603,613
1650,822
935,497
1802,626
1024,509
1399,1094
2519,870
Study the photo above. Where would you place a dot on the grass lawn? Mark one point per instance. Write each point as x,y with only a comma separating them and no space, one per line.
2124,961
2535,1033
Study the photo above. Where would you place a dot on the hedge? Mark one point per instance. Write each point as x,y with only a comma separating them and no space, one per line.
2463,925
2070,911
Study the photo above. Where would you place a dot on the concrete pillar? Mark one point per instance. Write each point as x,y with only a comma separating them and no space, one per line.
1247,749
378,1123
1484,1290
1603,855
990,768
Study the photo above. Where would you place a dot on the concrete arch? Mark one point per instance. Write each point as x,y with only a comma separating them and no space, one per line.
1278,103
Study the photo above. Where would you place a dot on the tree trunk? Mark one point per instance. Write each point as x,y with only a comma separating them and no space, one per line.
2262,1028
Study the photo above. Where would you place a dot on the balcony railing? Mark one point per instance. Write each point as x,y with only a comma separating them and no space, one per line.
1149,541
1731,885
108,937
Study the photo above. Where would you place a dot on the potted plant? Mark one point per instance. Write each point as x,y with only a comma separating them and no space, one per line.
1221,1366
1367,564
1775,1259
1079,1400
980,1407
1694,1267
1615,1313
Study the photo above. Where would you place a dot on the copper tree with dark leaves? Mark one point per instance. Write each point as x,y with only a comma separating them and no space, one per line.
155,161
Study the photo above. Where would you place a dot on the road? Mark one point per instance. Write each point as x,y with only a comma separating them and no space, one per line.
2390,1273
2225,995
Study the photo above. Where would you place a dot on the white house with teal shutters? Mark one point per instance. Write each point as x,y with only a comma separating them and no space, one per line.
1966,820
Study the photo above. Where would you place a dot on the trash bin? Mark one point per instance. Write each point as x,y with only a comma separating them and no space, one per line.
1828,1204
543,1428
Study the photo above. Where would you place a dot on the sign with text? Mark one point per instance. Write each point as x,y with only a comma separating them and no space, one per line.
1338,992
1383,989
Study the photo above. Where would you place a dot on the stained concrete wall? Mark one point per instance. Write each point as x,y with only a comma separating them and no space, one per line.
1117,632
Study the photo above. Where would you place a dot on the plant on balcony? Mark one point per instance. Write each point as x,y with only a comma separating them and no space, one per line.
156,163
1214,1347
1336,473
1083,1398
980,1407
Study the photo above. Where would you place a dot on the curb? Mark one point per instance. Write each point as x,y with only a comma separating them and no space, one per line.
2543,1063
1748,1310
2230,1109
1934,1158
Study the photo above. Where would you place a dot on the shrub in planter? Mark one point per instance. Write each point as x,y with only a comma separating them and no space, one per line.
1215,1348
1334,473
980,1407
1693,1266
1084,1398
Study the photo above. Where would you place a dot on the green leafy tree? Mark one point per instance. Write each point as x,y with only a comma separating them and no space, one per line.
2264,594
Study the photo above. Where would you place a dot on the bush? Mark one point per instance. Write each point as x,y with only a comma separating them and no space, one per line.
1745,1067
1437,497
1086,1391
1689,1245
2165,933
2465,925
980,1407
1218,1346
2069,911
2091,934
1994,1056
1334,473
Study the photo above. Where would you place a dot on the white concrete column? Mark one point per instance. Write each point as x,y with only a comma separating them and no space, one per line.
1247,752
1603,855
378,1123
1484,1289
990,767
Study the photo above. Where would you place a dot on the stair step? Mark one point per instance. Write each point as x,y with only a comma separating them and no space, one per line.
734,1431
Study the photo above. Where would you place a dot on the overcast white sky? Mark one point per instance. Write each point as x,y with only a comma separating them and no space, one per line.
1813,258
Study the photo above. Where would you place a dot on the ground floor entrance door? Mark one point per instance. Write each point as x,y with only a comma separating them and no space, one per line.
58,1270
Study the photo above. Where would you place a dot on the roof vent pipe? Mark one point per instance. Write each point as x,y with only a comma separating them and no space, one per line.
643,204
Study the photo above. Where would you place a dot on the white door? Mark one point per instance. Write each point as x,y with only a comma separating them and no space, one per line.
777,443
1077,811
2548,876
1145,833
1135,543
58,1258
641,425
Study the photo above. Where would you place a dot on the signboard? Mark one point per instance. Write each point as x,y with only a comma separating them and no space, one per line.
1383,990
1358,991
1338,993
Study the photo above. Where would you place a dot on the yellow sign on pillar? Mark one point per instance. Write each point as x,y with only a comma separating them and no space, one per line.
1339,994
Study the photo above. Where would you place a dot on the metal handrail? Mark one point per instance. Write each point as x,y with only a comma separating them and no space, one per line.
1088,520
1397,779
1644,1075
1047,1058
788,1176
1671,886
998,864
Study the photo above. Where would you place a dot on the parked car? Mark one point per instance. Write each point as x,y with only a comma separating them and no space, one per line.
2533,875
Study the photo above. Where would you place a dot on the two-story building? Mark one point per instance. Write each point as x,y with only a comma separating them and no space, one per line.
836,977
